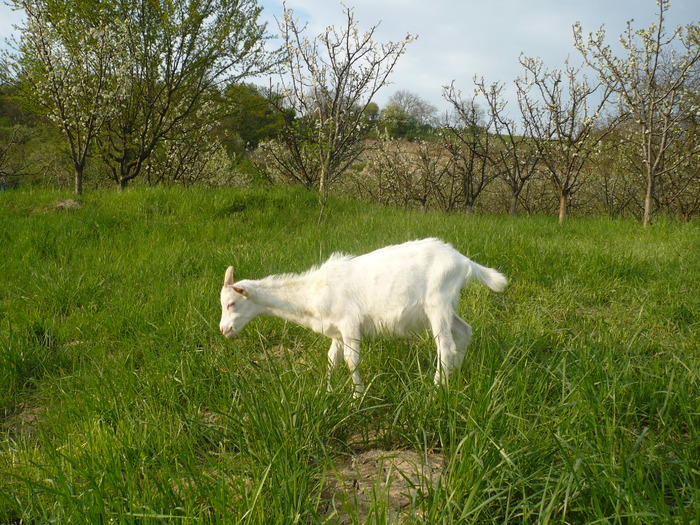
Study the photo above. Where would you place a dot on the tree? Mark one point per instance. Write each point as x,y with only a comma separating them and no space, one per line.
516,157
387,177
329,83
431,164
680,191
407,115
249,117
418,109
471,145
179,53
187,155
561,122
128,74
395,122
371,113
11,166
612,187
650,83
68,63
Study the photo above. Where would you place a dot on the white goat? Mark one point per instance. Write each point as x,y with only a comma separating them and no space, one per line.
395,290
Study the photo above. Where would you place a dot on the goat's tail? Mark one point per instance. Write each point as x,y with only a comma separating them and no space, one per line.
490,277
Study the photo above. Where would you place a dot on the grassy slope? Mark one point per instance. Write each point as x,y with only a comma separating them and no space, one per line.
119,399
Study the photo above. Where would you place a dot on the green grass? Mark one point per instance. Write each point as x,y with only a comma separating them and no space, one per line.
121,402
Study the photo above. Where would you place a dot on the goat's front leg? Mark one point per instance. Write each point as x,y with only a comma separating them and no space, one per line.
351,353
335,353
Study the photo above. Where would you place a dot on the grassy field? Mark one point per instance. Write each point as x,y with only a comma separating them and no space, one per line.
579,401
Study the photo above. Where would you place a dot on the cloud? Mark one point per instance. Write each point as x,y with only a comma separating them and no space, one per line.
460,39
457,39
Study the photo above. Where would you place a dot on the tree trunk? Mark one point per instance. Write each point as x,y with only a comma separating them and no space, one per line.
322,196
563,198
648,200
514,205
78,180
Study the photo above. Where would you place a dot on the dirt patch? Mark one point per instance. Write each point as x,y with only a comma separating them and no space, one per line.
68,204
21,420
388,482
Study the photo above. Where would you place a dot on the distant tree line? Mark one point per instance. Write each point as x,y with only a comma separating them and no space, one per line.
126,91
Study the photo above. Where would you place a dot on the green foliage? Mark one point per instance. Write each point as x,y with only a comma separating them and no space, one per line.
408,116
395,122
120,401
125,80
250,116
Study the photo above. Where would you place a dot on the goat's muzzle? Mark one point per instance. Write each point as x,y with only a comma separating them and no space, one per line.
226,332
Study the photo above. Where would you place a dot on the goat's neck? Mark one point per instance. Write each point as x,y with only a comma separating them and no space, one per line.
285,297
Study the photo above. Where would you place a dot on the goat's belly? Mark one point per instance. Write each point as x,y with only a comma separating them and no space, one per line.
398,322
329,330
324,326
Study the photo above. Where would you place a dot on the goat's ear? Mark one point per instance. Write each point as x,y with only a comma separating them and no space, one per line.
228,278
241,291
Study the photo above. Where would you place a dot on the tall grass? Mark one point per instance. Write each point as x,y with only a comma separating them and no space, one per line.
119,400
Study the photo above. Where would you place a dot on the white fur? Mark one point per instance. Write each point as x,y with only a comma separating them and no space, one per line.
394,290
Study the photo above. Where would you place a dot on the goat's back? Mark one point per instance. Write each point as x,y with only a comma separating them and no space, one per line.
409,267
389,290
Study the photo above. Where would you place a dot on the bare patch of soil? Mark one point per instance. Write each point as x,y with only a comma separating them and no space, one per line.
22,419
68,204
371,481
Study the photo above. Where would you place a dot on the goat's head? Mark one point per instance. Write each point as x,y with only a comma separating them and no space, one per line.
236,306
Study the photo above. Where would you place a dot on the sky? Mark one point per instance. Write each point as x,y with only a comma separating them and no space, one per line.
460,39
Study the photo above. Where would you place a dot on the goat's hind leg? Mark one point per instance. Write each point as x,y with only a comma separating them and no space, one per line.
452,339
351,354
441,325
335,358
462,335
